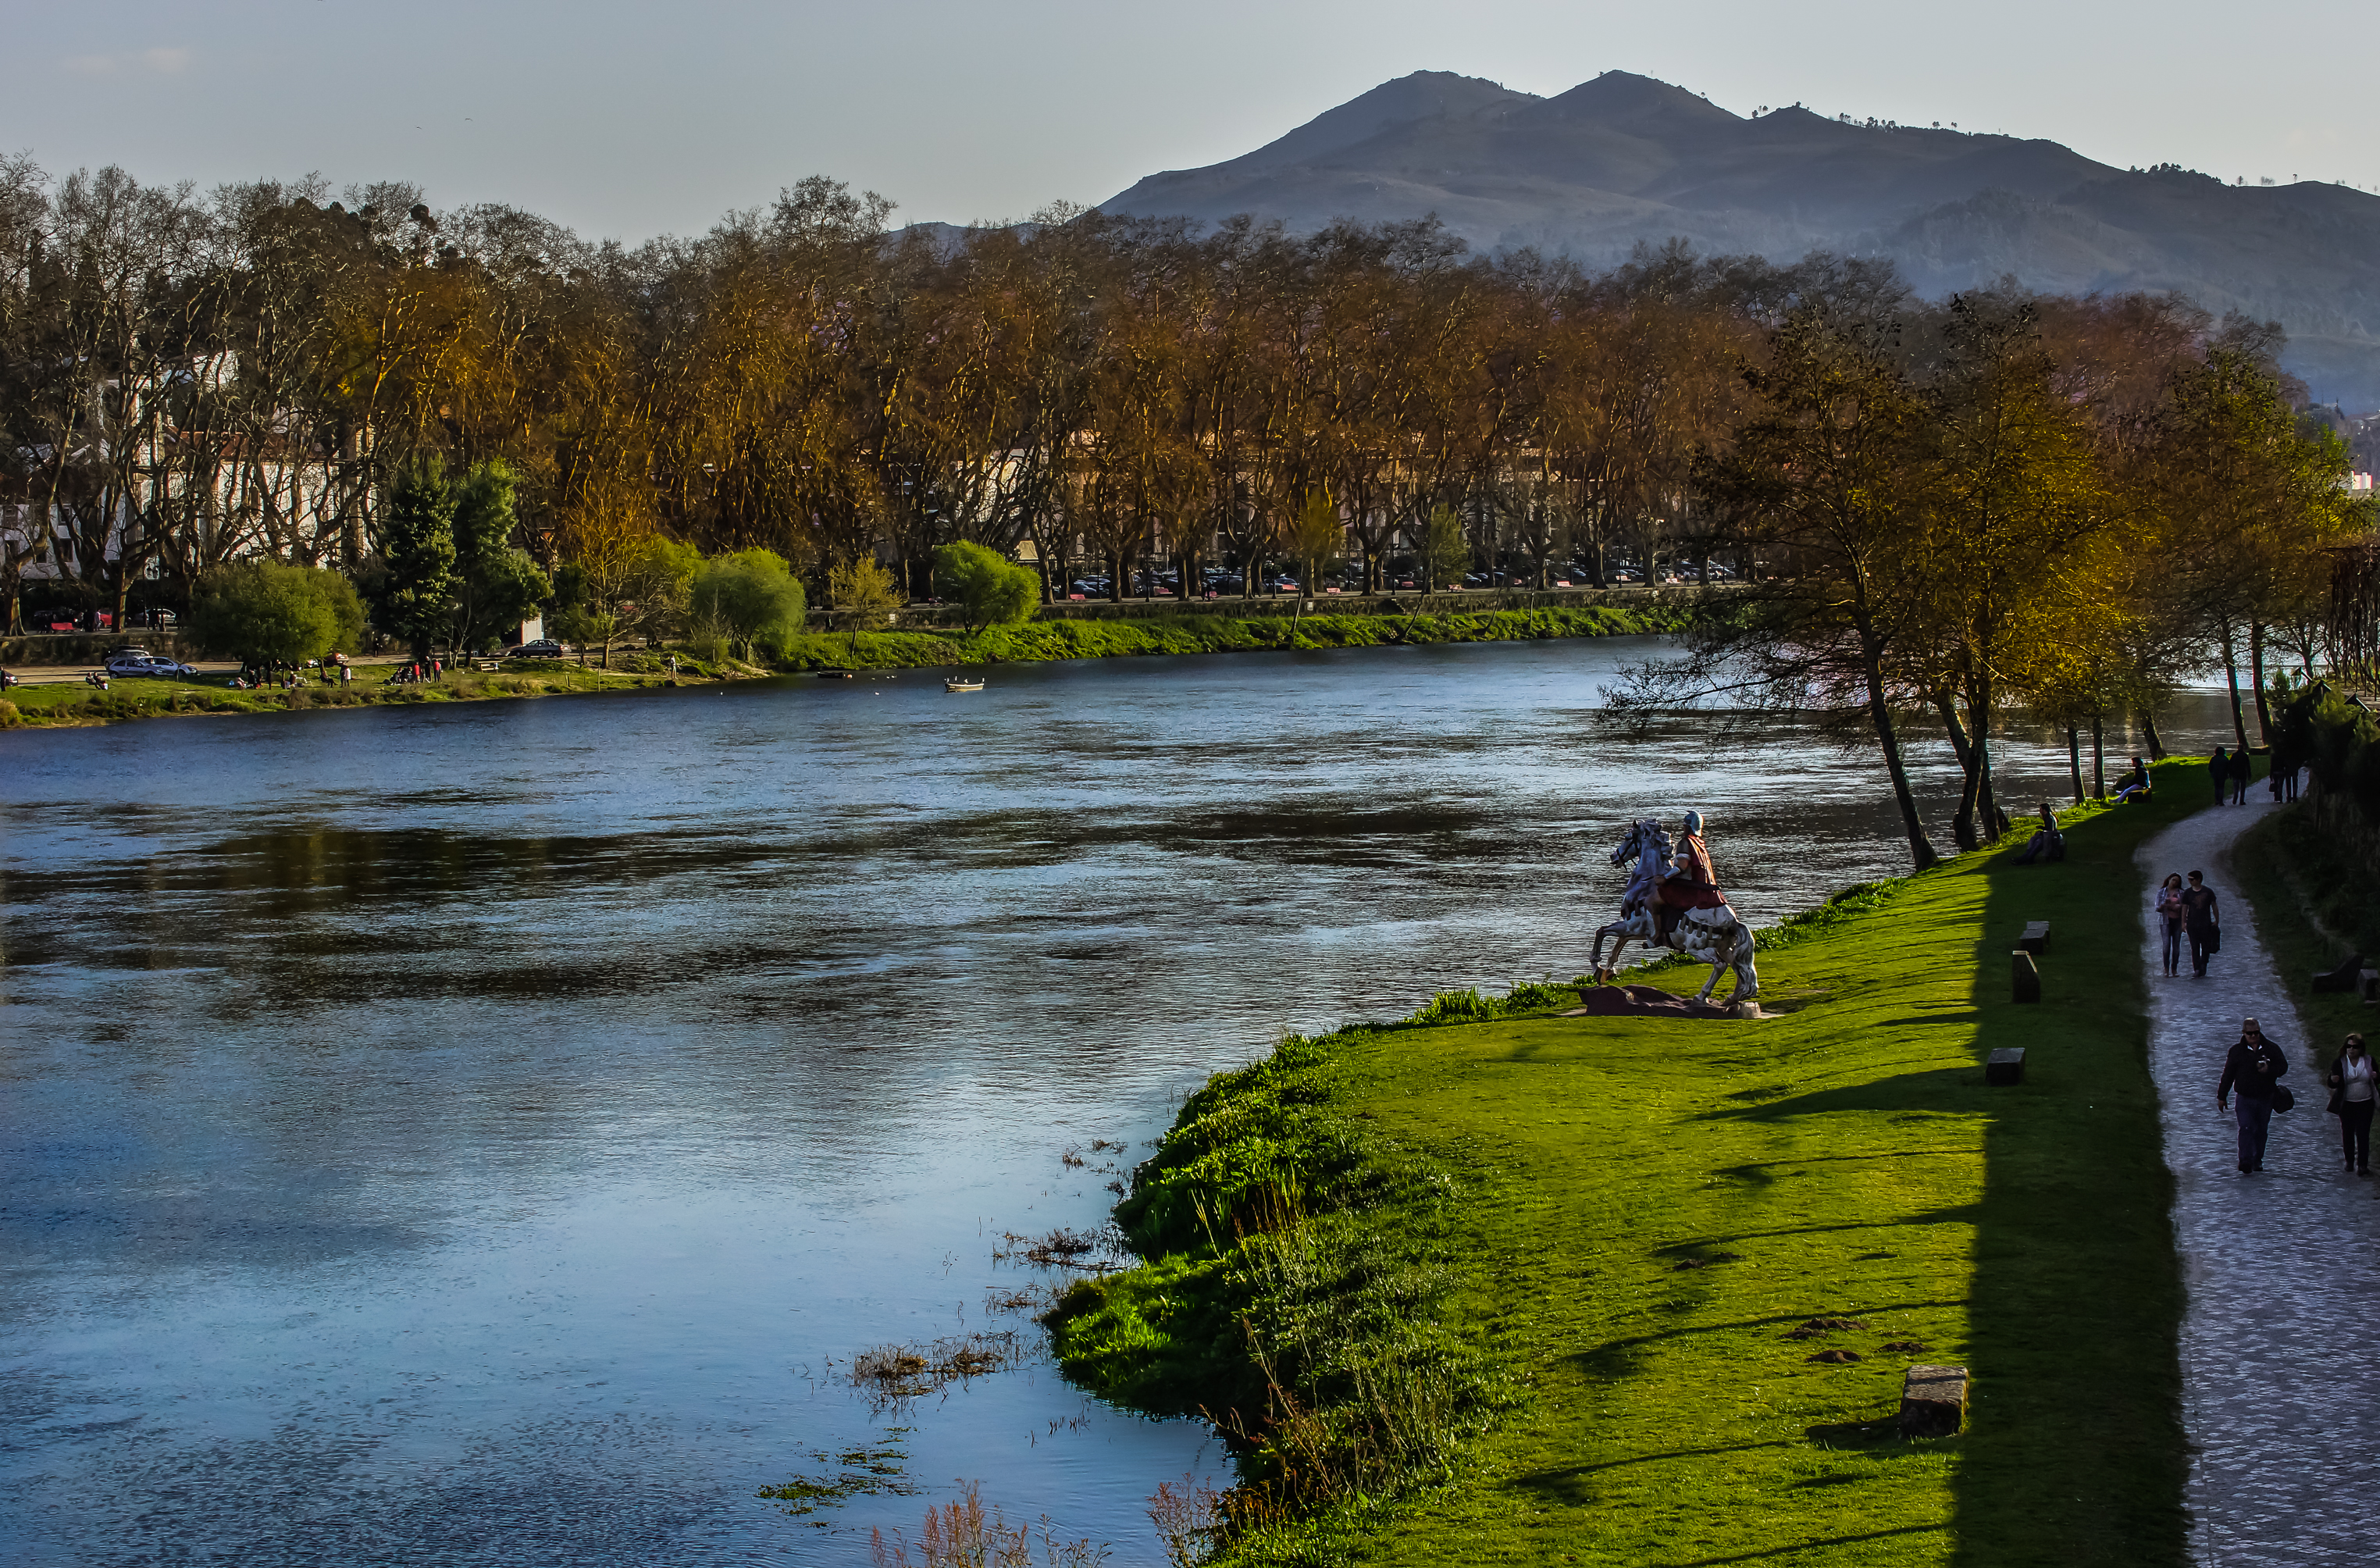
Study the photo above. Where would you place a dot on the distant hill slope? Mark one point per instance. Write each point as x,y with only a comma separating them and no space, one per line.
1624,158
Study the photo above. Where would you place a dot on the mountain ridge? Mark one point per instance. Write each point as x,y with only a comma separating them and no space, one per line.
1623,159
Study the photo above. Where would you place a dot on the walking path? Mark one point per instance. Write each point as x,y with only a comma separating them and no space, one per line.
2279,1385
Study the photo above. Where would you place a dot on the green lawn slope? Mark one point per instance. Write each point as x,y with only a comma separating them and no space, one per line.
1608,1232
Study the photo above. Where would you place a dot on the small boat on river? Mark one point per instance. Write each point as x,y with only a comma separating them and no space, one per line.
958,682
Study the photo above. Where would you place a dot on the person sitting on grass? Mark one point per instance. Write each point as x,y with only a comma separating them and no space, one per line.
2133,785
2048,840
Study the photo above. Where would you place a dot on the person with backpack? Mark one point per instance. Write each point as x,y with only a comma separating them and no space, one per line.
2254,1068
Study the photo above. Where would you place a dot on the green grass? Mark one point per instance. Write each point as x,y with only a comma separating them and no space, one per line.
70,704
1544,1178
1040,640
2288,871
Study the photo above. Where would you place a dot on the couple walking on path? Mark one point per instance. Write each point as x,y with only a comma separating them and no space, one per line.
2190,912
2254,1070
2273,1267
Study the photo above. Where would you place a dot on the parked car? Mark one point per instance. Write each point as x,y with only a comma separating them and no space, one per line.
543,648
132,661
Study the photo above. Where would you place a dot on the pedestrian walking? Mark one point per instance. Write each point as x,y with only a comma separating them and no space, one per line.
2240,770
2351,1083
2202,918
2253,1068
2220,766
2172,913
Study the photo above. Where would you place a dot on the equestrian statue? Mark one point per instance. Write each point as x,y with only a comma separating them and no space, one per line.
1673,901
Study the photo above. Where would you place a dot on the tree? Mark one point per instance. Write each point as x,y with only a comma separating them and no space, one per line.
861,593
415,597
263,611
1830,468
991,590
1441,548
496,585
752,596
1315,536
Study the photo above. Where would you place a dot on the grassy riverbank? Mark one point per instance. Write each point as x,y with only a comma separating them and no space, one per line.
1523,1286
73,703
1045,640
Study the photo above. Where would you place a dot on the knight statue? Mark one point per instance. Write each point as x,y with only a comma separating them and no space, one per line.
1673,901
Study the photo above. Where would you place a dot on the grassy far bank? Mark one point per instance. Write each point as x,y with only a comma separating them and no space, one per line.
1603,1233
1041,640
73,703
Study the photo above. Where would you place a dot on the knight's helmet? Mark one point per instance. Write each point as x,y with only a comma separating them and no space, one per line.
1694,823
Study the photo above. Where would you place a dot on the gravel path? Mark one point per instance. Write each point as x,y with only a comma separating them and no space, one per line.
2281,1267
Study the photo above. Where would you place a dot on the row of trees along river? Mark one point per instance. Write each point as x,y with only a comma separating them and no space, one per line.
1949,508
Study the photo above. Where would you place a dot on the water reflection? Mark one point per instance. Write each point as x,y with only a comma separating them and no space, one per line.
479,1135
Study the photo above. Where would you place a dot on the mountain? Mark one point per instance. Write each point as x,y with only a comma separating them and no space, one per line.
1624,158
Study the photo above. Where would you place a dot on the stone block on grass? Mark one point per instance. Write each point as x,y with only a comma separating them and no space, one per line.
2025,976
1933,1401
2005,1066
2035,939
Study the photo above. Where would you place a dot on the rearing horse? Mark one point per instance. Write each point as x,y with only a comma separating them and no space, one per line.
1711,936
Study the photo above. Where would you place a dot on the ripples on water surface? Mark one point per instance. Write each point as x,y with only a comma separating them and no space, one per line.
479,1135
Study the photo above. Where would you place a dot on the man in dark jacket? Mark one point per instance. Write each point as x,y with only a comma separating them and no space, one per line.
2254,1068
2220,766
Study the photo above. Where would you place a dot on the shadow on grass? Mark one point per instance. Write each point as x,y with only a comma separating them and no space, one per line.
1775,1553
2073,1451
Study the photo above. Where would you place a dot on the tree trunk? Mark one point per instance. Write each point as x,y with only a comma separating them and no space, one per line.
2098,760
1921,848
1962,822
2231,679
2074,761
2256,672
2149,735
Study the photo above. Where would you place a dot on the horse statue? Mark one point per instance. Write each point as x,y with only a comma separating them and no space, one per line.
1711,936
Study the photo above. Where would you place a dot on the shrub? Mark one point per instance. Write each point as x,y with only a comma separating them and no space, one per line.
991,589
261,610
751,597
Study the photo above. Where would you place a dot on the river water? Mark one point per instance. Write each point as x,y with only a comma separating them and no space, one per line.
485,1135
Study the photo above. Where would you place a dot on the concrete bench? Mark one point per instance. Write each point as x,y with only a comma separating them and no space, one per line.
2005,1066
2368,983
2025,976
1933,1401
2346,977
2037,936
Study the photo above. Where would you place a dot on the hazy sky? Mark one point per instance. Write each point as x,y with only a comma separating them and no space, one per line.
629,119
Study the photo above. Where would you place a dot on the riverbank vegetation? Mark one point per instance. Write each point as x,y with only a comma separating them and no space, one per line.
784,652
2062,503
1498,1285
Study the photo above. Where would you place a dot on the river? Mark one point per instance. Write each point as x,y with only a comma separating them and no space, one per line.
485,1134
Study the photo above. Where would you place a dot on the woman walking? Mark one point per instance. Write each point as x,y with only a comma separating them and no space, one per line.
2220,766
2173,913
2203,921
2352,1081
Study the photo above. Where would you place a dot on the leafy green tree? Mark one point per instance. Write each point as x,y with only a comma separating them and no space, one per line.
991,589
263,611
416,593
861,593
752,596
496,585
